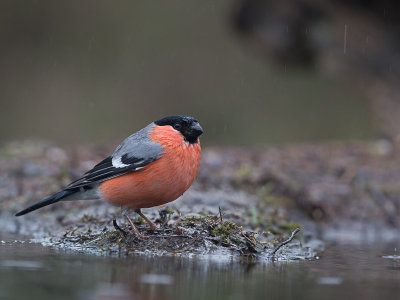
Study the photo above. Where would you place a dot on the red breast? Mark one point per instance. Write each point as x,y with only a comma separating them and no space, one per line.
163,180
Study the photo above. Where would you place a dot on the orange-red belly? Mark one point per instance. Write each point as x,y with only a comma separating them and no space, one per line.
160,182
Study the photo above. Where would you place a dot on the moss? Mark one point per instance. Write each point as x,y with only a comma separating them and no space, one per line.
255,217
193,220
226,231
139,221
244,172
86,218
289,226
265,191
191,234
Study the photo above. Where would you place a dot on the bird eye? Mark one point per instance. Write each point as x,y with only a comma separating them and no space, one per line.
177,126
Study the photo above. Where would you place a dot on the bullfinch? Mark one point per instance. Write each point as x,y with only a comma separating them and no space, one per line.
151,167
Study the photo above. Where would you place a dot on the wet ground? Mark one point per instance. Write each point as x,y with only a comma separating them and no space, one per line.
211,218
28,270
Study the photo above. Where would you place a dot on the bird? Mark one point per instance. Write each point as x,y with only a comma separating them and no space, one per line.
151,167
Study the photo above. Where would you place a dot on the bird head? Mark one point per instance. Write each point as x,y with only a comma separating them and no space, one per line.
189,127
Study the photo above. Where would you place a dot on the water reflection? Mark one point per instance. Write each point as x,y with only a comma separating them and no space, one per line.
29,270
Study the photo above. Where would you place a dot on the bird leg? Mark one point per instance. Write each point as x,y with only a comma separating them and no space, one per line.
151,224
135,231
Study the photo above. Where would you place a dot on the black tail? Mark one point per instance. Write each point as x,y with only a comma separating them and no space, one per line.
47,201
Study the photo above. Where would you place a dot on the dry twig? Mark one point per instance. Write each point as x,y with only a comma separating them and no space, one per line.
284,242
220,214
116,226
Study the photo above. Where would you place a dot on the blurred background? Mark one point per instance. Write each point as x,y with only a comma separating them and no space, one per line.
252,71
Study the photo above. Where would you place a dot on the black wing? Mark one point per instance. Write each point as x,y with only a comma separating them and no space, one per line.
135,152
106,170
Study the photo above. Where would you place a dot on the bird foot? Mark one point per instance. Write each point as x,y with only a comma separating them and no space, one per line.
154,227
138,235
135,231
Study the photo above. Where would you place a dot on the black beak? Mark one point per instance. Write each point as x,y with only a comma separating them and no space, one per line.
193,132
196,129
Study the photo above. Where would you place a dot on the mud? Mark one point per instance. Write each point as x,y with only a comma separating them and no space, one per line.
326,189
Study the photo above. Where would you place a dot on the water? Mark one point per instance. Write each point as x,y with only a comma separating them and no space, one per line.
342,272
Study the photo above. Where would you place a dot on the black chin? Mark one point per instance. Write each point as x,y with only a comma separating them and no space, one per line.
192,140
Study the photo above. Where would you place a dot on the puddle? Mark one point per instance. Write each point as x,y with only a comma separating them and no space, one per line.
391,256
342,272
21,264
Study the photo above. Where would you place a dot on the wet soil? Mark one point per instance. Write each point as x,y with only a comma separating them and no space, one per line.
243,204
